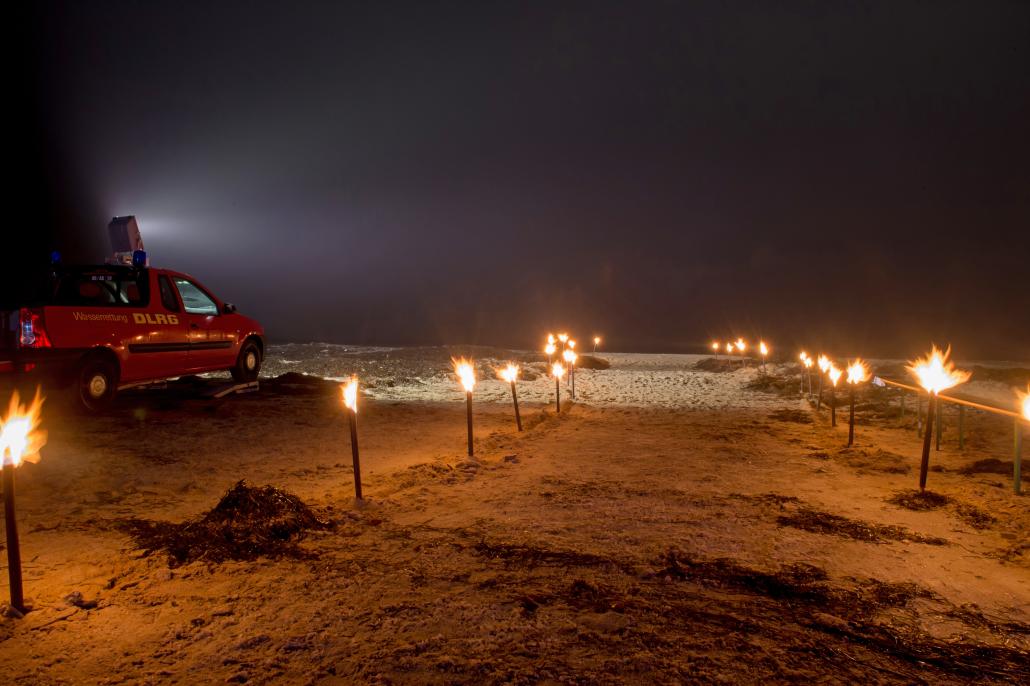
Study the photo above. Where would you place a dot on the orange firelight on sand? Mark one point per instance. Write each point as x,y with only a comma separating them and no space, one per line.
349,391
20,441
466,373
936,372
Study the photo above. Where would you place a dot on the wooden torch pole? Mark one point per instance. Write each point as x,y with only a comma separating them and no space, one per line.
851,418
13,546
924,465
352,418
468,407
515,399
557,395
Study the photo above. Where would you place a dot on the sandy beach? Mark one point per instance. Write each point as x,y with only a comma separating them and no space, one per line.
729,539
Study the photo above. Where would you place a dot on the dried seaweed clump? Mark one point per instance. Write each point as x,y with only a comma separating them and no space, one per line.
247,523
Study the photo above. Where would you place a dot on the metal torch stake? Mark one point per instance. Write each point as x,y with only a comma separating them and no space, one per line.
557,395
515,399
468,406
572,374
352,418
924,466
819,402
13,547
851,419
1017,459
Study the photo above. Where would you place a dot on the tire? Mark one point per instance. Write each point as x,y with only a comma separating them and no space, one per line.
248,363
97,384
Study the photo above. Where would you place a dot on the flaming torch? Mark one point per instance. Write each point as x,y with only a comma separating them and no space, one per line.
857,373
597,342
834,375
550,349
935,374
20,440
824,366
570,357
715,348
557,371
510,374
467,375
763,349
350,401
729,350
564,338
741,346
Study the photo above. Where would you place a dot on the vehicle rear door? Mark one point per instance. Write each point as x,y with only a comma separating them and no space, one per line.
209,348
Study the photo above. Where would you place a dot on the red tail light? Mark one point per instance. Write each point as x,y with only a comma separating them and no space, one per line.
32,334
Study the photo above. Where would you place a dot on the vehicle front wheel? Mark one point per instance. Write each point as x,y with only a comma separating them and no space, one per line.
248,363
98,384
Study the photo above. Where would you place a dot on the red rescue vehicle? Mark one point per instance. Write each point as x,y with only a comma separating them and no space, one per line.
102,328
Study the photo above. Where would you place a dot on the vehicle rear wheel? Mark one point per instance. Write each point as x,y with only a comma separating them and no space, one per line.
248,363
98,384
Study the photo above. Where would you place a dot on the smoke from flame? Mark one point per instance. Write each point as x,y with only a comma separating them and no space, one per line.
20,436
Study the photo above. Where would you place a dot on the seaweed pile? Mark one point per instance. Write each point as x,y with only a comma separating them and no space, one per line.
247,523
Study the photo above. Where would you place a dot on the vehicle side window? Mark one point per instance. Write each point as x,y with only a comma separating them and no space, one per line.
168,298
194,300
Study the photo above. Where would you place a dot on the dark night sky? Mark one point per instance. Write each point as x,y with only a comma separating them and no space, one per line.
852,175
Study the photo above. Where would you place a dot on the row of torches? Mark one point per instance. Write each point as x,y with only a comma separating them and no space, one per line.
21,437
465,371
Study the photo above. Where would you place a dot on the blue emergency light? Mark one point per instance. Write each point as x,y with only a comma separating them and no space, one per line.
139,258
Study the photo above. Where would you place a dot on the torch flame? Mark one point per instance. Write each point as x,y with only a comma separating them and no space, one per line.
729,347
803,356
20,436
350,394
936,373
715,346
834,374
509,373
763,348
857,372
563,337
572,343
824,363
809,363
741,345
597,340
557,370
570,356
1026,404
550,339
466,373
549,349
